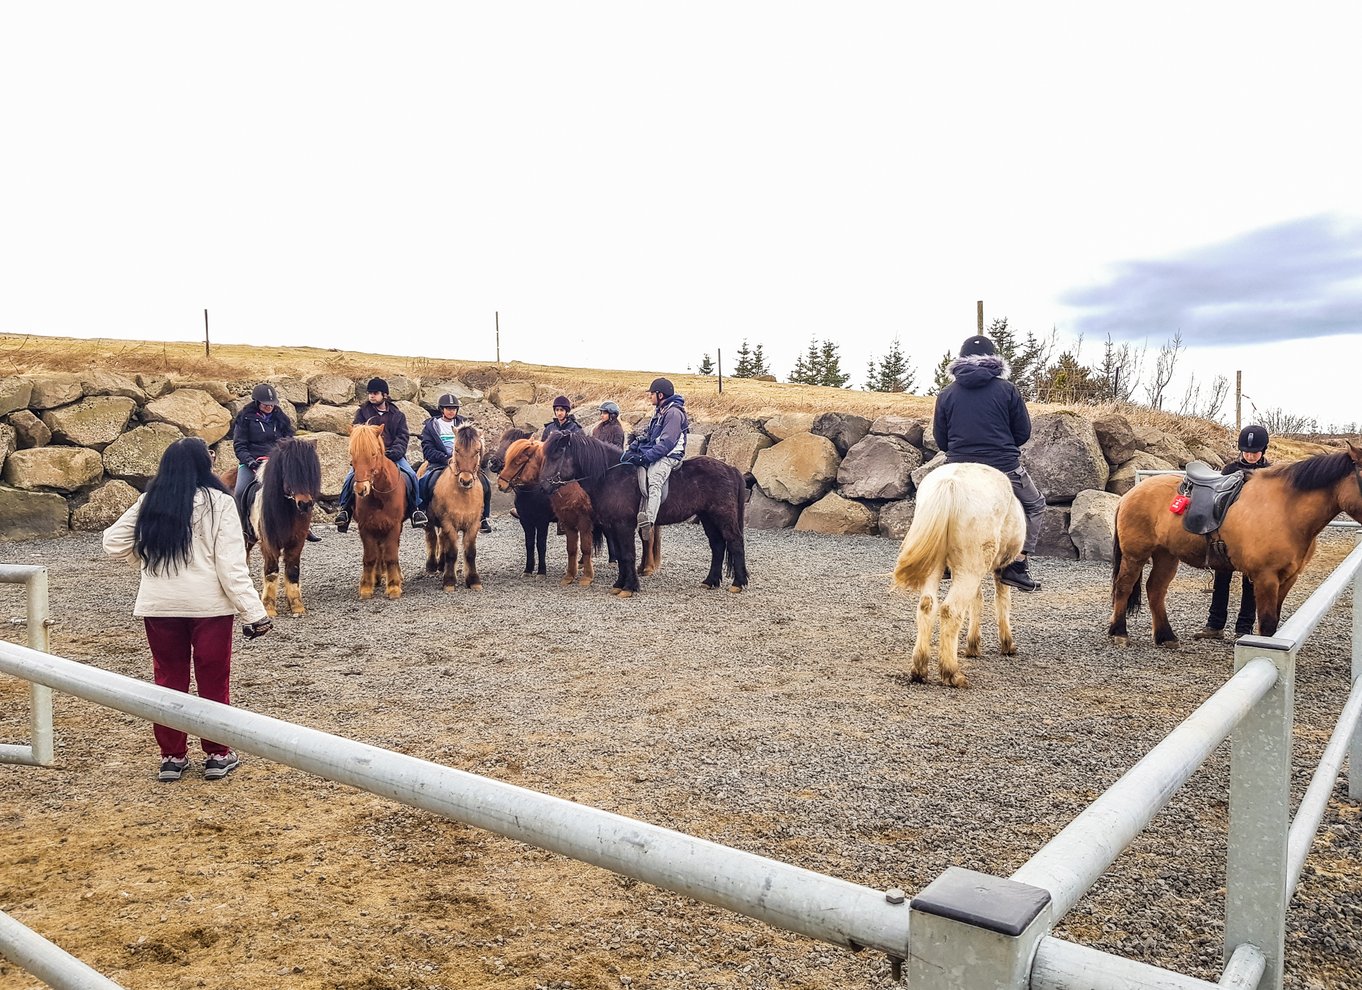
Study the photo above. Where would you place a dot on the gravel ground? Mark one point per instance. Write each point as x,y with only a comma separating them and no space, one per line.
781,721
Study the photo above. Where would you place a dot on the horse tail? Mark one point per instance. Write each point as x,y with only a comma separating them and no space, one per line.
1133,602
924,548
597,537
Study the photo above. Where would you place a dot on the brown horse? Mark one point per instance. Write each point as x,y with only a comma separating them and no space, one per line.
1269,534
380,507
281,514
456,508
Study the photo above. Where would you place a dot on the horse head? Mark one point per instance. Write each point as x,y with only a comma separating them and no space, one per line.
523,461
557,466
300,473
468,451
497,461
367,456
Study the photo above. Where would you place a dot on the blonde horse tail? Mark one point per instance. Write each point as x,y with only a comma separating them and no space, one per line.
924,548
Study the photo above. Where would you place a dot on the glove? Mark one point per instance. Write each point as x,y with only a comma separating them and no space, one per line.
256,464
632,456
254,630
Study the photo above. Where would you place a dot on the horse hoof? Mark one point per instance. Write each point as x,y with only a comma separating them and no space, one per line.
971,651
958,681
1169,644
707,586
736,589
563,583
271,611
916,678
394,593
585,582
475,587
1009,649
626,593
299,612
366,595
1120,641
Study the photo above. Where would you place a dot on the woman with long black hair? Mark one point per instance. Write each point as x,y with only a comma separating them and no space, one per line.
185,536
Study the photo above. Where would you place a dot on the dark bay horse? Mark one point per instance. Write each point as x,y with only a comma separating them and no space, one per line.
1269,533
532,506
456,510
705,487
380,507
281,514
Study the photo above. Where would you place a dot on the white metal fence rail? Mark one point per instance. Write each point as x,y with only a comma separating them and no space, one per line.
39,750
965,931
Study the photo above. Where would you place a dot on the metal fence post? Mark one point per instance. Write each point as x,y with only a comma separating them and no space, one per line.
972,931
1260,814
1355,747
40,751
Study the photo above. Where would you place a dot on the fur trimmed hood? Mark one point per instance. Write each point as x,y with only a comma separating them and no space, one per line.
978,370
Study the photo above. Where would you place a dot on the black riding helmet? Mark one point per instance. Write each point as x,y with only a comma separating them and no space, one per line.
265,395
1253,439
449,401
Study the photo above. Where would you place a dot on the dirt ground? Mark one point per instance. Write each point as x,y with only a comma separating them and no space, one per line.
780,721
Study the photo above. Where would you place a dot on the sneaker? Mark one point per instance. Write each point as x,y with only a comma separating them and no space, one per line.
486,527
1210,632
173,768
1017,575
515,514
312,537
342,521
419,520
220,765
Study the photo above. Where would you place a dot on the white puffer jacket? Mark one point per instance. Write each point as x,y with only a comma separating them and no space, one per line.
214,581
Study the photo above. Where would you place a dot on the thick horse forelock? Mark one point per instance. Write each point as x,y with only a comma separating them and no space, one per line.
364,443
297,467
293,469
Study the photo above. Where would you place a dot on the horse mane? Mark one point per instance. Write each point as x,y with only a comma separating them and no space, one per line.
293,467
591,457
496,459
364,444
1314,473
467,435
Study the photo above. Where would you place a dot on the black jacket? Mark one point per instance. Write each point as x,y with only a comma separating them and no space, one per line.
433,445
394,423
1243,465
980,417
254,435
569,425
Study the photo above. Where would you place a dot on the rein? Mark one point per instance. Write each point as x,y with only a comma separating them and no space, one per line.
558,482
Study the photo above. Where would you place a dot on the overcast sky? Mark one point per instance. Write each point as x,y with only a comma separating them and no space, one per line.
633,185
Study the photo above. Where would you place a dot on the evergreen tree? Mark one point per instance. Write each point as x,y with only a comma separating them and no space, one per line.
872,379
743,369
895,372
759,365
830,366
941,375
706,366
808,369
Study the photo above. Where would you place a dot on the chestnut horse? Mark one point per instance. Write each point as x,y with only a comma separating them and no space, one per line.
531,503
1269,533
380,507
705,487
967,519
281,514
456,509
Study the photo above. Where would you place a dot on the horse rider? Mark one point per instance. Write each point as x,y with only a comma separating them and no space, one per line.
1252,456
563,421
259,426
981,418
658,450
379,411
609,429
437,447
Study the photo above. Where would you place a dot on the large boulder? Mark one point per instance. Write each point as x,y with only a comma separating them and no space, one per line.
786,425
531,417
400,388
896,517
194,411
737,442
1092,523
65,469
9,442
1122,478
1063,456
845,430
220,391
416,416
432,390
903,427
1203,452
293,390
334,390
154,385
879,467
334,453
135,456
95,421
1164,445
1116,437
26,515
798,470
103,507
490,420
926,469
697,439
764,512
15,393
62,390
834,514
323,418
112,383
1052,539
29,430
415,455
510,396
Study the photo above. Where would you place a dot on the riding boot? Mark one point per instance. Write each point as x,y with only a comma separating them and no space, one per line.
1018,575
342,521
1209,632
312,537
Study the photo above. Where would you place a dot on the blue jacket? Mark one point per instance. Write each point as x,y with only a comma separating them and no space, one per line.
980,417
667,427
568,425
254,435
433,445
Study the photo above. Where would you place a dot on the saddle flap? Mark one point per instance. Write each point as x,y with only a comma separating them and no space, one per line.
1212,494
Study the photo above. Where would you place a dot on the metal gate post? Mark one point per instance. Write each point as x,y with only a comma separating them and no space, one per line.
1260,814
1355,747
40,751
972,931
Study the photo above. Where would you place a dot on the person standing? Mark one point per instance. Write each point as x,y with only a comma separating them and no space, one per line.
379,411
185,536
609,429
1252,457
658,451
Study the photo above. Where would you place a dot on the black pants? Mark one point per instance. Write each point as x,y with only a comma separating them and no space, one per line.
1220,605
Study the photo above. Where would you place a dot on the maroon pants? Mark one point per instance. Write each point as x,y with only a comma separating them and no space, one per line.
175,644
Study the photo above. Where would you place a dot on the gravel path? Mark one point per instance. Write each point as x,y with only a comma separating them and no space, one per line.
780,721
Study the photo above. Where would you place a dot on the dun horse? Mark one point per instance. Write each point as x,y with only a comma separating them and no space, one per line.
967,519
1269,534
705,487
380,507
456,510
281,514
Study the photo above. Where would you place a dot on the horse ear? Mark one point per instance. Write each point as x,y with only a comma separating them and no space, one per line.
1354,452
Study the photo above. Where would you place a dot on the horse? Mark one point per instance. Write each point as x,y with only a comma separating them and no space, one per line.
281,514
1269,533
456,508
966,519
380,507
532,506
523,462
705,487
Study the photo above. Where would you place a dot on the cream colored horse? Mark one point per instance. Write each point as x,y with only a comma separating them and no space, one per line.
967,519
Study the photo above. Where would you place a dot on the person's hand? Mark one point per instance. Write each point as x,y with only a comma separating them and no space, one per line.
254,630
256,464
631,456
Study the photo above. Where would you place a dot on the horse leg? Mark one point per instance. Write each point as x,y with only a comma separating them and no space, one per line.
964,589
370,573
293,571
432,547
541,543
974,635
1161,572
926,622
584,537
470,555
1268,593
1002,601
715,577
627,581
392,570
269,559
1127,582
737,559
571,574
528,528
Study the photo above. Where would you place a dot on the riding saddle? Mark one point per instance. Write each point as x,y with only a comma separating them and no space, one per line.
244,504
1212,494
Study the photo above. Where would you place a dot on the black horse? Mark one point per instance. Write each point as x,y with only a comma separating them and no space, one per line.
531,504
705,487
